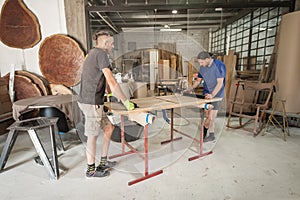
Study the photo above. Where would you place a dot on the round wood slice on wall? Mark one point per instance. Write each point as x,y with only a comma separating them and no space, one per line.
19,27
23,87
60,60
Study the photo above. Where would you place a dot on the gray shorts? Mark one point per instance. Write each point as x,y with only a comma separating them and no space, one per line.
216,105
95,119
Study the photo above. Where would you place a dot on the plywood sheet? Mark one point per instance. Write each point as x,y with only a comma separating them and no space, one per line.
149,104
230,63
164,69
287,68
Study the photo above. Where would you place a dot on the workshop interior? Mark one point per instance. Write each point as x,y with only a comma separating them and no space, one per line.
154,61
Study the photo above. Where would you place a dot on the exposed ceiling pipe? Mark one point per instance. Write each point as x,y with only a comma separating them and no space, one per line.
112,3
107,22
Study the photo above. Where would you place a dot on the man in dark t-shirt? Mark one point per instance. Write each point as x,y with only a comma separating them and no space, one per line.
96,72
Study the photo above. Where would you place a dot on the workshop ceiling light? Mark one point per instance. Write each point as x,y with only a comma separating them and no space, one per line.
170,29
174,11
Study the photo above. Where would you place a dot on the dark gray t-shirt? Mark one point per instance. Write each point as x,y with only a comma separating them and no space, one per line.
93,81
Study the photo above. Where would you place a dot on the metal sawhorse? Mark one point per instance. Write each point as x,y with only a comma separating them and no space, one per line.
31,126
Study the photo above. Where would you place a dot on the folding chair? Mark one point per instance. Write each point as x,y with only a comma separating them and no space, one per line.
256,97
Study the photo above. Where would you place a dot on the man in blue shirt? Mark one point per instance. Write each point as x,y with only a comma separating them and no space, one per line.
213,73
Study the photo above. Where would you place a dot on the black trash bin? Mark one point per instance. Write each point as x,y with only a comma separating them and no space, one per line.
132,133
62,123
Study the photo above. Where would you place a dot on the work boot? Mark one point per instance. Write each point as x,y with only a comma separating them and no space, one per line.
210,138
96,174
107,166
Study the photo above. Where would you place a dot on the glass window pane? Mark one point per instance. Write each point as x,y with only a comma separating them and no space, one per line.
253,53
261,43
272,22
233,37
254,37
267,59
260,51
270,41
247,18
269,50
256,21
233,31
264,10
264,17
273,12
256,13
255,29
262,34
245,47
253,45
271,32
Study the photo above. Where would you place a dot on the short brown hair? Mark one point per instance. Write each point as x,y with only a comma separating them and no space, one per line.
100,33
203,55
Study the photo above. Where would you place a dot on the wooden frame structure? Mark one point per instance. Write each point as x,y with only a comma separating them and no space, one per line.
255,96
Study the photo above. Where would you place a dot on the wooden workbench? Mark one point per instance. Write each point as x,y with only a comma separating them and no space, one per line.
152,104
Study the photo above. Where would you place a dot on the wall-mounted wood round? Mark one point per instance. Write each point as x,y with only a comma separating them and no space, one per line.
19,27
60,60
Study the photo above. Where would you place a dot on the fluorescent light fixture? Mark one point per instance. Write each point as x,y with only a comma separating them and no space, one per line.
263,29
174,11
170,29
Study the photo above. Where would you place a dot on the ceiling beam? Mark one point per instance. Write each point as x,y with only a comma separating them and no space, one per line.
167,22
144,16
132,8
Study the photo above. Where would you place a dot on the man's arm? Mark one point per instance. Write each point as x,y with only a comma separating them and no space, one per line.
195,84
113,85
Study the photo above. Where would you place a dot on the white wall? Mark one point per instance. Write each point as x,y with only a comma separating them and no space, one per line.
51,17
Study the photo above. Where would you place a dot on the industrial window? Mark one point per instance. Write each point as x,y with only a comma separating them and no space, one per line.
252,37
218,41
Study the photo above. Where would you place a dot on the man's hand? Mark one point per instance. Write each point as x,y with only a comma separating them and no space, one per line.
208,96
188,90
129,105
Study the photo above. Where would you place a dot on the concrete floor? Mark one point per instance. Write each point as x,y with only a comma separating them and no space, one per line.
241,167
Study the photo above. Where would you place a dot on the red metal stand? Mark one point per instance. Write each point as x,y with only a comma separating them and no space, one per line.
146,147
133,150
200,141
172,130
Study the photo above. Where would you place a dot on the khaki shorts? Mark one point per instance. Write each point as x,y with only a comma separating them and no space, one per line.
95,119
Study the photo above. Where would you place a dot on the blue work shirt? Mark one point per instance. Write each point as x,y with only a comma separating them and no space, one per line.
210,74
